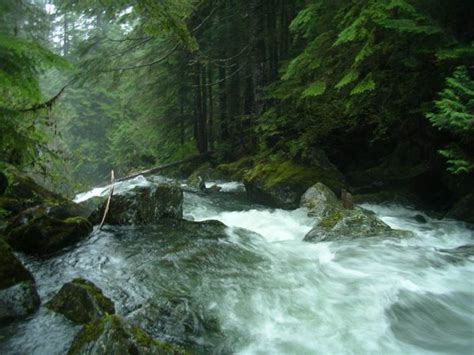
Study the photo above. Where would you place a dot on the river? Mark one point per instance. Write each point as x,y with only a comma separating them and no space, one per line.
259,289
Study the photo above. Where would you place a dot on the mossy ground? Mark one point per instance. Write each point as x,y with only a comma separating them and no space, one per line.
273,170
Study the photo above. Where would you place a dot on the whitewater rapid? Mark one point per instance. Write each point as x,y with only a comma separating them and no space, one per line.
268,291
370,296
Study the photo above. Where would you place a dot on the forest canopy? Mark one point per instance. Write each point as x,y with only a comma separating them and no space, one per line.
89,86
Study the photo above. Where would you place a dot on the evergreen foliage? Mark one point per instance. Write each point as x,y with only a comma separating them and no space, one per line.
156,81
454,112
23,58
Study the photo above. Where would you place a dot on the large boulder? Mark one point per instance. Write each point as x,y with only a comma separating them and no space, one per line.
47,228
18,296
280,182
319,200
23,187
334,222
463,209
112,335
347,224
81,302
144,205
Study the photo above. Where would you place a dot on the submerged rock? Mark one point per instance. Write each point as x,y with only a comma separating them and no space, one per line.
179,321
81,302
112,335
181,229
281,183
144,205
18,295
460,253
420,219
319,200
47,228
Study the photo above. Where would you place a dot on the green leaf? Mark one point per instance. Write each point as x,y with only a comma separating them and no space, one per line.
316,89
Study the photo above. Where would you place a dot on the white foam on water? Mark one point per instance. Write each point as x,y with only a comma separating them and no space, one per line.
333,297
229,186
119,187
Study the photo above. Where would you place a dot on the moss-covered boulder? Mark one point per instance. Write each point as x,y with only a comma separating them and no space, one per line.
281,182
112,335
463,209
18,296
47,228
24,188
351,224
319,200
145,205
81,302
236,170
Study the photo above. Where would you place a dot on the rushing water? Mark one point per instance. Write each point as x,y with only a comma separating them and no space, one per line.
257,288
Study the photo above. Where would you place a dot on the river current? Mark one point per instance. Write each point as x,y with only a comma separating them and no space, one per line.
259,289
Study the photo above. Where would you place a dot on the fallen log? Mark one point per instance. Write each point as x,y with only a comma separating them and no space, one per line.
203,156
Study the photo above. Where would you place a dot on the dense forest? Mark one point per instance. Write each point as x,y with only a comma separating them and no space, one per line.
249,177
385,88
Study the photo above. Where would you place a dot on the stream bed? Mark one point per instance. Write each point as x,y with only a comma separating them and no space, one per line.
257,288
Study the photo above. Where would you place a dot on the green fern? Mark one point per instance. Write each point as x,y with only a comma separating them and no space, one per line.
316,89
366,85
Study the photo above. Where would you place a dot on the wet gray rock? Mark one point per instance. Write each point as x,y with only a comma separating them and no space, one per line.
112,335
18,295
179,321
81,302
319,200
348,224
334,222
144,205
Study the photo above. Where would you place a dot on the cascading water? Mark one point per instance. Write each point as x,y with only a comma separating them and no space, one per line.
259,289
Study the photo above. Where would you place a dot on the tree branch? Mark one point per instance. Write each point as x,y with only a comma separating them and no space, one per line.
48,104
159,60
